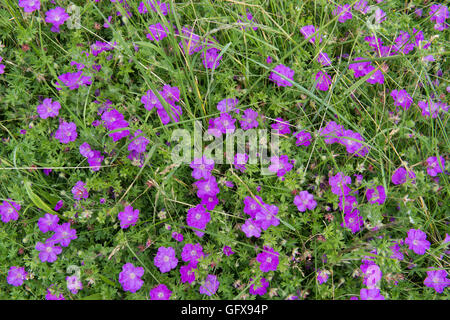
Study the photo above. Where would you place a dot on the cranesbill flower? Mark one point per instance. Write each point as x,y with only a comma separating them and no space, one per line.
249,119
347,203
187,273
192,253
119,134
73,80
370,294
139,142
380,16
30,5
190,42
57,17
323,81
339,184
154,5
280,165
98,47
249,20
228,105
9,211
433,166
401,98
417,241
353,221
16,276
130,277
177,236
67,132
284,71
227,251
240,159
48,222
268,259
344,12
211,58
281,126
79,191
429,108
58,205
198,217
157,32
160,292
399,176
48,251
377,195
308,31
74,284
252,206
63,235
128,217
360,68
51,296
85,150
207,187
376,77
267,217
361,6
210,285
165,259
322,276
202,167
251,229
372,276
396,253
304,200
48,108
225,123
332,132
150,100
437,279
439,13
324,59
259,287
303,138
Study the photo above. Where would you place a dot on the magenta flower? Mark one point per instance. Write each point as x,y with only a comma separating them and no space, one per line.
376,77
361,6
209,201
9,211
249,119
324,59
157,32
360,68
380,16
240,159
177,236
353,221
339,184
30,5
350,140
417,241
322,276
51,296
154,5
323,81
399,176
188,273
58,205
63,235
429,108
79,191
48,108
370,294
198,217
67,132
227,251
73,80
277,76
160,292
437,279
401,98
190,42
225,123
74,284
48,222
207,187
268,259
304,200
130,277
396,253
251,229
192,253
253,206
98,47
332,132
259,288
228,105
280,165
433,166
377,195
48,251
344,12
211,58
372,276
267,217
165,259
150,100
308,31
57,17
281,126
303,138
347,203
139,142
210,285
128,217
439,13
16,276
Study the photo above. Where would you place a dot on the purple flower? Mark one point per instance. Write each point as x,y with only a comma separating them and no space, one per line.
361,6
332,132
51,296
252,206
163,7
187,273
281,126
433,166
437,279
210,285
303,138
48,222
177,236
228,105
227,251
48,108
79,191
372,276
73,80
370,294
240,159
304,200
324,59
98,47
360,68
266,217
48,251
269,60
429,108
249,18
399,176
251,229
377,195
190,41
160,292
207,187
280,165
259,288
439,13
396,253
380,16
401,98
376,77
128,217
165,259
157,32
9,211
339,184
63,235
353,221
150,100
268,259
192,253
322,276
416,241
279,71
323,81
74,284
30,5
198,217
347,203
139,142
308,31
16,276
225,123
249,119
58,205
344,12
57,17
211,59
130,277
209,201
67,132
